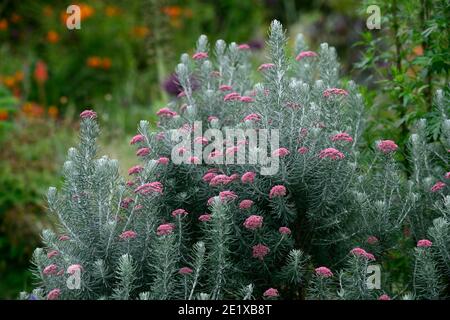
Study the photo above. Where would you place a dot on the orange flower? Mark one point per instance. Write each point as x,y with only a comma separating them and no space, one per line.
52,36
3,115
112,11
15,18
40,72
141,31
27,107
18,76
3,24
418,51
106,63
86,11
172,11
94,62
9,81
32,109
53,112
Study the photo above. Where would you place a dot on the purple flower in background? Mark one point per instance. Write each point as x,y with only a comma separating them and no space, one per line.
172,85
256,44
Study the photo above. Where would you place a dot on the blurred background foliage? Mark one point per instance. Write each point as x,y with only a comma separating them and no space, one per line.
121,64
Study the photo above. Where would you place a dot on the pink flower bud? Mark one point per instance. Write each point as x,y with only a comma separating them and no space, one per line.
253,222
277,191
129,234
323,272
271,293
137,138
305,54
424,243
88,114
54,294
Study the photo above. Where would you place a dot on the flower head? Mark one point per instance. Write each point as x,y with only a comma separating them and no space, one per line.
323,272
54,294
260,251
331,153
233,96
277,191
438,186
253,222
52,36
386,146
302,150
424,243
137,138
245,204
372,240
204,217
335,91
63,237
165,229
253,117
52,254
284,230
271,293
142,152
305,54
248,177
359,252
166,113
129,234
265,66
163,160
244,46
135,169
151,187
246,99
185,271
384,297
88,114
200,55
208,176
341,137
179,212
50,269
41,72
225,87
281,152
219,179
227,195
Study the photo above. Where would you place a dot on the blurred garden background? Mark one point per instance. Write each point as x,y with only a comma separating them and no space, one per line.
120,63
